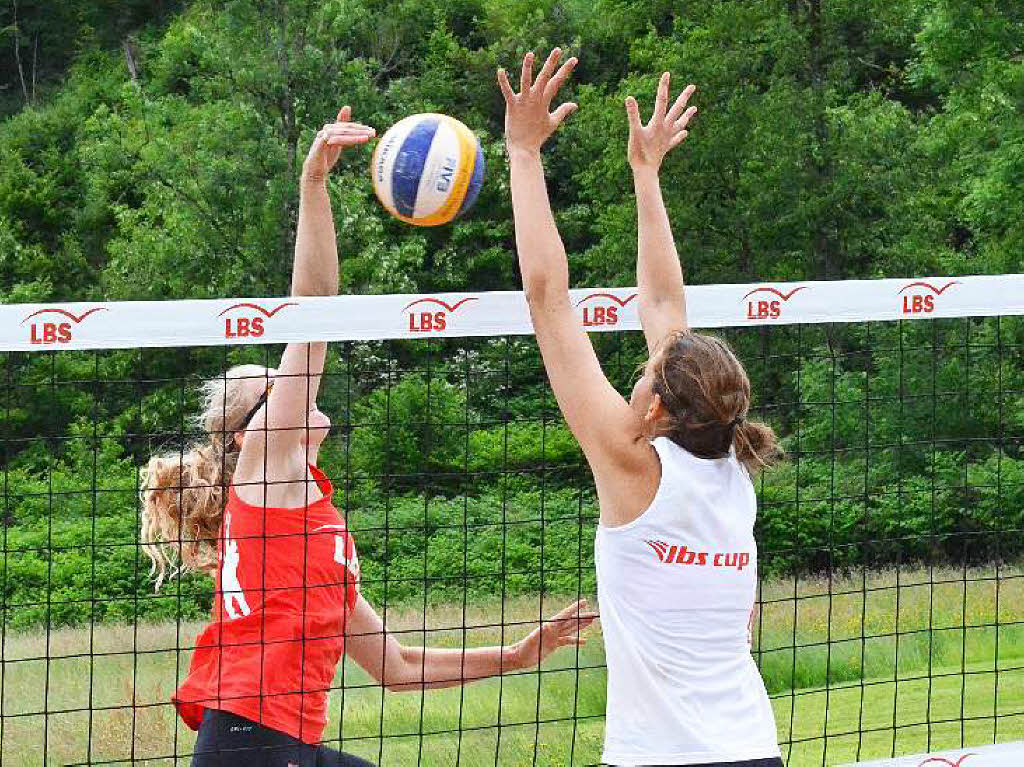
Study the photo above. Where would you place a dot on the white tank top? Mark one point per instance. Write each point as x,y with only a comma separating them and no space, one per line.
676,589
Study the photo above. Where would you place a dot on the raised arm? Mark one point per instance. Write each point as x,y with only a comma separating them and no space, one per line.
601,420
662,302
314,273
405,669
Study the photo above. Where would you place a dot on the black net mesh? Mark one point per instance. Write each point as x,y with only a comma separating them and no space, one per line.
890,605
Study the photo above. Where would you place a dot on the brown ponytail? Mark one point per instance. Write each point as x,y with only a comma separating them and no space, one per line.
183,493
756,445
706,393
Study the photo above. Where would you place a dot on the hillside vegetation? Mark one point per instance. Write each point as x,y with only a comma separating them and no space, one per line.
154,155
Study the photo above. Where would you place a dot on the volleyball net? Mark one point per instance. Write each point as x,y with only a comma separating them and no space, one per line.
891,603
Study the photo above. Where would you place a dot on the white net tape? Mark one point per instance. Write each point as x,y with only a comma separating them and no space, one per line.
218,322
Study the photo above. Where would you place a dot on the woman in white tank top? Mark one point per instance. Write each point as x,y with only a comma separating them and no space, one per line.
675,551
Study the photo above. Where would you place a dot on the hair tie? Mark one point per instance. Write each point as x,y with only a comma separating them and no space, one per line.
737,421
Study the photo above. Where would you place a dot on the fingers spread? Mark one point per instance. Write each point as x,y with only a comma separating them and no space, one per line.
559,79
573,609
633,113
526,77
563,111
680,103
575,625
505,85
571,620
661,102
683,121
548,68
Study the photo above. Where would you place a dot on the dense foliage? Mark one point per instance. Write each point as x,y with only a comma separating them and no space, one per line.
157,158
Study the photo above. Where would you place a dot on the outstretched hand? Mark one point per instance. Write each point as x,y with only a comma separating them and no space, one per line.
648,144
528,121
561,630
329,142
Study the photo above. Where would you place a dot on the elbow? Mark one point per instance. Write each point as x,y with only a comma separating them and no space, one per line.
314,289
542,291
389,680
662,298
397,677
535,292
401,683
669,309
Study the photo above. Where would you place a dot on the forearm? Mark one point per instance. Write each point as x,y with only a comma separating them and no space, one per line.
315,272
659,274
434,668
542,259
662,302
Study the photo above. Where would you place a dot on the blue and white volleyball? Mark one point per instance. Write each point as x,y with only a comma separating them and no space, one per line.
428,169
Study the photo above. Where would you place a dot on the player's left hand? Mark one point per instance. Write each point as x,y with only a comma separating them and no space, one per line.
561,630
528,119
648,144
329,142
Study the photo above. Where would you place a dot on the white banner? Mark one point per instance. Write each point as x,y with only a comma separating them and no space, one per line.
1004,755
218,322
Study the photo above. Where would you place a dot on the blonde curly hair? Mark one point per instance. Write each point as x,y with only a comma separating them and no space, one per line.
184,493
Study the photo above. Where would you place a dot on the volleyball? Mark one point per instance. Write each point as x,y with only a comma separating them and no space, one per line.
427,169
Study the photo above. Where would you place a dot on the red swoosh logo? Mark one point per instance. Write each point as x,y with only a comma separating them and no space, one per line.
66,313
659,548
942,759
933,289
616,299
258,308
776,291
439,302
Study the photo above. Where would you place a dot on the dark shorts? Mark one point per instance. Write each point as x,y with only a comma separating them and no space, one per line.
227,740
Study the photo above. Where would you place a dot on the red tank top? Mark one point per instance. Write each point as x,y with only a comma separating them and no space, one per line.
285,582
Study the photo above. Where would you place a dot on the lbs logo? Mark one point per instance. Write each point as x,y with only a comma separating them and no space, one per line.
427,319
672,554
602,309
920,297
763,307
248,320
54,330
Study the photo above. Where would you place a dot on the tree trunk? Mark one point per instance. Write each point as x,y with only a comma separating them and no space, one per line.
129,57
35,58
17,53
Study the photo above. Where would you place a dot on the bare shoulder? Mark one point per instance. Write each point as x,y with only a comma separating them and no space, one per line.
627,486
278,479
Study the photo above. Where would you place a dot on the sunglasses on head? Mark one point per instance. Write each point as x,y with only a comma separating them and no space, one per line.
259,403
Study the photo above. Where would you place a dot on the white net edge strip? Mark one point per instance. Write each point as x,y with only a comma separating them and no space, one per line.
231,321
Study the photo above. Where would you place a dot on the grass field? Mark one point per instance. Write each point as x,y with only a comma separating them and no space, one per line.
863,666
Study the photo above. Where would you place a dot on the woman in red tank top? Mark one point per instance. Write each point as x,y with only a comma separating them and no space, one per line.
250,505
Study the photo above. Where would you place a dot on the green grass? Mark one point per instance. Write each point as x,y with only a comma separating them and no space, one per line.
830,663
